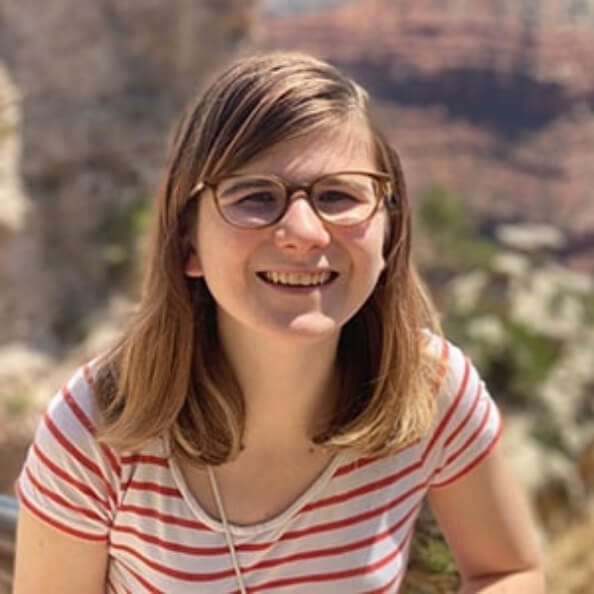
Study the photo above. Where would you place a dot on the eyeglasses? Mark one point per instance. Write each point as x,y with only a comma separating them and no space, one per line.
344,198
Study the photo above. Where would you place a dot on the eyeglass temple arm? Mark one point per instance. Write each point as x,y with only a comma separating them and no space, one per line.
200,185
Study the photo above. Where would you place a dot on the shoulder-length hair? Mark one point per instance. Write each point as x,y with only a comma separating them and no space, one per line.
167,374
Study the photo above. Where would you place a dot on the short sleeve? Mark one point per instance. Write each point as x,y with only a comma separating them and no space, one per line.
468,424
70,480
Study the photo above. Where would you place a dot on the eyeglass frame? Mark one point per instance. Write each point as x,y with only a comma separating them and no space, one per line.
291,189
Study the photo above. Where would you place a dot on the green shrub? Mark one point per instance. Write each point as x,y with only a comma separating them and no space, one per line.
447,225
17,403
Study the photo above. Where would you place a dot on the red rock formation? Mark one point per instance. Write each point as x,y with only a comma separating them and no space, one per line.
492,98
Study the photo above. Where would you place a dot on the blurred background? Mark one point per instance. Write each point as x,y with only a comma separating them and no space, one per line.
491,106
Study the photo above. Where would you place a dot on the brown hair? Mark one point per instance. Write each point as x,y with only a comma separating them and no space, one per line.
167,372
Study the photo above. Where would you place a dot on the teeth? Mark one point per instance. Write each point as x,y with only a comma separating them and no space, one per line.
297,279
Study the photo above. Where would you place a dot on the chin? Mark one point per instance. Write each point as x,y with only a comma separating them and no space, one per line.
307,327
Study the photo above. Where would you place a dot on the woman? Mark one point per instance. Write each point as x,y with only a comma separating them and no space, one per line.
283,400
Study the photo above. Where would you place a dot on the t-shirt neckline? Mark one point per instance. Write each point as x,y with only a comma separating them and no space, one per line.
245,530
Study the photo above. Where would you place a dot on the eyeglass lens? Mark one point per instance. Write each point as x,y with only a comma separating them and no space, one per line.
253,201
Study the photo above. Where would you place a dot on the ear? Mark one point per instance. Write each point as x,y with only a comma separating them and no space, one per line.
192,266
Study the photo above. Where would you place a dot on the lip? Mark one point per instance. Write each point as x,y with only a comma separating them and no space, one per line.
297,289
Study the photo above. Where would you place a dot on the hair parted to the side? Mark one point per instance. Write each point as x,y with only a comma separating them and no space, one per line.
167,374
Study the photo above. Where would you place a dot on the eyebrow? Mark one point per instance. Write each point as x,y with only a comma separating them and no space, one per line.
351,183
248,183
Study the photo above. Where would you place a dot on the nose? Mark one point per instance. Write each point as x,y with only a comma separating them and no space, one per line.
300,229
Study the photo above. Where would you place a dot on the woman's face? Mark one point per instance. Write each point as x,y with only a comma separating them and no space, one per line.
239,266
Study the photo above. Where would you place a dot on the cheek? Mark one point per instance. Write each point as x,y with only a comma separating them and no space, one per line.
216,240
367,261
225,257
372,240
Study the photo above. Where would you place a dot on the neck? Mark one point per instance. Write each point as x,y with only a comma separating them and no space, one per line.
290,386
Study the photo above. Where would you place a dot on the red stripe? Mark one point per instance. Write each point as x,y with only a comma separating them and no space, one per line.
77,410
336,575
175,520
364,489
389,586
176,573
465,420
79,413
353,519
362,462
473,436
67,478
165,518
452,408
395,581
70,448
149,587
61,501
49,520
113,462
246,547
222,550
337,550
153,487
356,465
76,453
206,577
174,546
145,459
474,462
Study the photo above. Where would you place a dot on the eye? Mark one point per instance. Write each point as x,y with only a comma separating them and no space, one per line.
333,196
260,198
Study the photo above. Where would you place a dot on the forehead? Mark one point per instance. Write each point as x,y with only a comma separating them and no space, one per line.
342,148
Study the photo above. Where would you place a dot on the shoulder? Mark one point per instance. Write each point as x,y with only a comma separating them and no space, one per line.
467,423
65,446
455,373
73,409
70,479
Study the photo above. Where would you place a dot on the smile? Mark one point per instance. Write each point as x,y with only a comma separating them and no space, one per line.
298,279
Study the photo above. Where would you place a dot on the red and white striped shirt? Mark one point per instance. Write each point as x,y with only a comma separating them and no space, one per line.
348,532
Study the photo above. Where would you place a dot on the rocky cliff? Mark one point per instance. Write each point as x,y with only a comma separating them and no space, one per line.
88,94
493,99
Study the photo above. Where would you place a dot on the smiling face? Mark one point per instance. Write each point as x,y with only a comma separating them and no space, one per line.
249,272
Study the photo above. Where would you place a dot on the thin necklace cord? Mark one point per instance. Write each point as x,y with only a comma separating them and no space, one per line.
228,536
